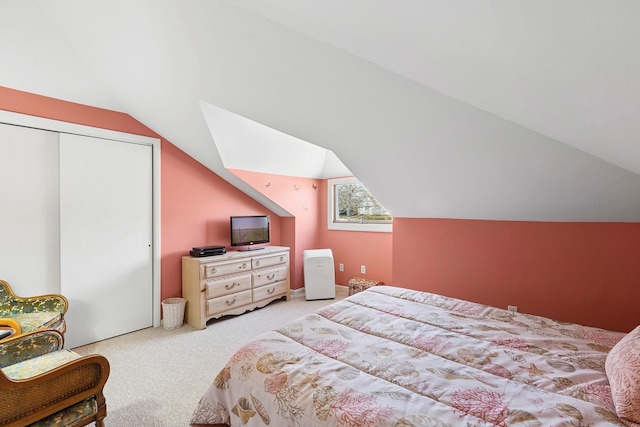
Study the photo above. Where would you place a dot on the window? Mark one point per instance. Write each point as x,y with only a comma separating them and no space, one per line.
351,207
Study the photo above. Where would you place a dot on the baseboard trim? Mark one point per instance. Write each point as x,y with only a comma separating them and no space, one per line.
341,291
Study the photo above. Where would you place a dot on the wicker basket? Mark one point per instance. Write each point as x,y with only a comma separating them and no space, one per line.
173,312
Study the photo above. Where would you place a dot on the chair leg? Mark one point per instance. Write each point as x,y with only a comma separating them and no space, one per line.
102,409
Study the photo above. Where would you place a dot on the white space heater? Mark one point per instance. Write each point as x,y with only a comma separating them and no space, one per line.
319,274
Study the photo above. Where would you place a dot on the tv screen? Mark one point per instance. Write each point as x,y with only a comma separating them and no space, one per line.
249,230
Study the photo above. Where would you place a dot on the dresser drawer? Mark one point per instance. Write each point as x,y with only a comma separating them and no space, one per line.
222,285
269,260
228,302
264,292
220,269
264,276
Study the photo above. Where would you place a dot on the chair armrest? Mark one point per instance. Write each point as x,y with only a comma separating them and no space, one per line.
41,303
11,323
49,302
38,303
25,401
27,346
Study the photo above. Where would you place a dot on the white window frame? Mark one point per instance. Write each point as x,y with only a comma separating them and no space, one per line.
349,226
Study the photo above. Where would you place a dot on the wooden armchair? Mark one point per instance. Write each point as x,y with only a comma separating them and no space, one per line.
32,313
41,384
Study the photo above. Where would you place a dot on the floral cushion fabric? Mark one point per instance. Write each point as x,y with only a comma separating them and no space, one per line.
29,346
10,305
70,416
395,357
33,313
34,321
38,365
623,369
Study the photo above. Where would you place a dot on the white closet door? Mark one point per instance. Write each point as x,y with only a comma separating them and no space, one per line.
105,237
29,250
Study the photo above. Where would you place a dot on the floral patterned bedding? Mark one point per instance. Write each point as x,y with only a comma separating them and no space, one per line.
396,357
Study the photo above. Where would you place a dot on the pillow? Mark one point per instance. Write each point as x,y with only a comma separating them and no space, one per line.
623,370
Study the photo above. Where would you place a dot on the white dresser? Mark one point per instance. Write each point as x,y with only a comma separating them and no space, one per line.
234,283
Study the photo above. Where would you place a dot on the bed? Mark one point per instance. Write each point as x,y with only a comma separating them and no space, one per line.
396,357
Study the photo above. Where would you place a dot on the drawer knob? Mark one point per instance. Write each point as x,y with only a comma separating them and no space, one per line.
244,265
271,276
281,258
213,270
230,285
270,291
257,263
233,301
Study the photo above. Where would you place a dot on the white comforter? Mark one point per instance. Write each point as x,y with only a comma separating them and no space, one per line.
396,357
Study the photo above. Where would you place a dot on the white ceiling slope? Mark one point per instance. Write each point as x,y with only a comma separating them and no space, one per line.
248,145
518,110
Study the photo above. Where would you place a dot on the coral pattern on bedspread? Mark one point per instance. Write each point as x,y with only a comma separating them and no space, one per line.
396,357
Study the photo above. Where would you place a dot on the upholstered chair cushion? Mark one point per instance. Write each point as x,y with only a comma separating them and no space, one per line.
39,365
43,320
30,345
84,410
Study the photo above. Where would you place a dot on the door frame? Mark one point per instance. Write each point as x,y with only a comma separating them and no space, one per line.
19,119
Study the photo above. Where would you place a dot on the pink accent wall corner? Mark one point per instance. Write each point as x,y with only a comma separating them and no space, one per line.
298,196
306,200
584,273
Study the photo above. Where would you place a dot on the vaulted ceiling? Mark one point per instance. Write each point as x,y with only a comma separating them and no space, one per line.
514,110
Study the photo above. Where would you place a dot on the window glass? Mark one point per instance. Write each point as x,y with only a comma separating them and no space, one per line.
352,207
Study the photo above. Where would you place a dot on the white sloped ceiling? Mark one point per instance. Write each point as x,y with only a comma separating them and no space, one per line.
489,110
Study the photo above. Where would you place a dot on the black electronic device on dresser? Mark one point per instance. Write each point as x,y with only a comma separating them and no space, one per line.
208,251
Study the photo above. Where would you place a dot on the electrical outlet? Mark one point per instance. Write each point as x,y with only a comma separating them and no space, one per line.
363,269
512,308
341,266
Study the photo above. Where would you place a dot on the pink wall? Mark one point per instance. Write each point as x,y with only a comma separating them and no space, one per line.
306,199
51,108
299,197
196,206
356,248
586,273
196,203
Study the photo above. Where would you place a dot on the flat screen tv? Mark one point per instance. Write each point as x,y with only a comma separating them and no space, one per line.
249,230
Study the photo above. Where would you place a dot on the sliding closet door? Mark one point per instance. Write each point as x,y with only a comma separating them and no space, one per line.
29,252
106,265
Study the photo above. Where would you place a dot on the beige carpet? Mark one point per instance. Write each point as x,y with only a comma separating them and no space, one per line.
157,375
